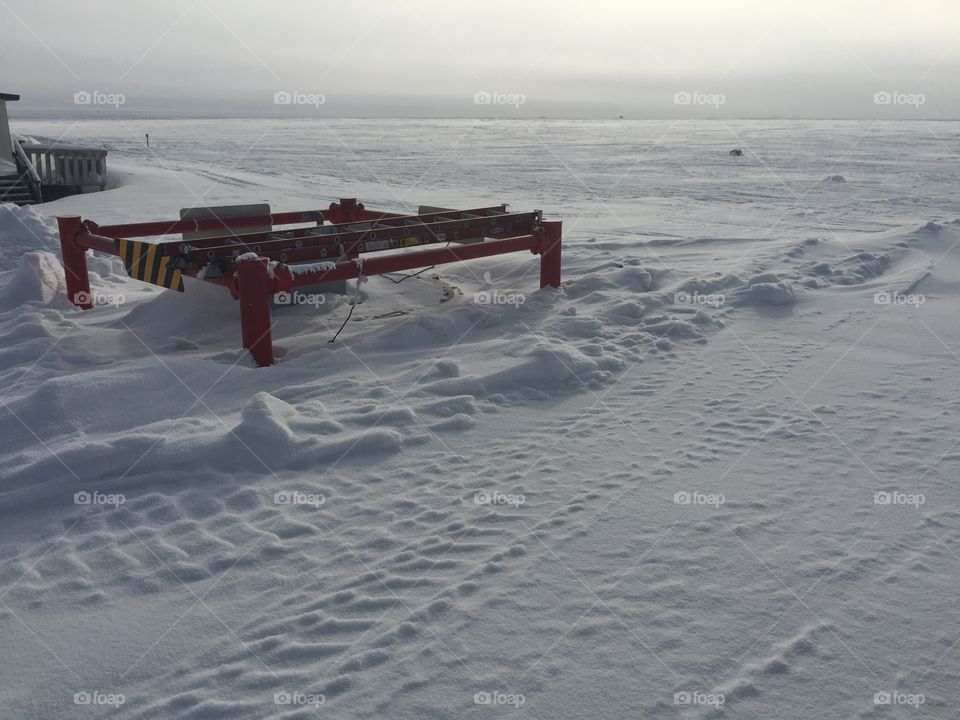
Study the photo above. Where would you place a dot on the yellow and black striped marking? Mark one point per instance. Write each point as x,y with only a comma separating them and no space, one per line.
146,261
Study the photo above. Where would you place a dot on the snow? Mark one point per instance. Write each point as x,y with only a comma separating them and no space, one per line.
304,268
731,430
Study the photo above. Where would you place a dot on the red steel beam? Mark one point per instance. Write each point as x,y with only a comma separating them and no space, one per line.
550,247
406,261
255,290
166,227
174,227
96,242
438,230
74,261
225,244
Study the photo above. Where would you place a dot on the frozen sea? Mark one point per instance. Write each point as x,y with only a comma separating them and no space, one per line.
712,476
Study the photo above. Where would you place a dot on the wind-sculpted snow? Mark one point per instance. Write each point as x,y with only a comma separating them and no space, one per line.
712,475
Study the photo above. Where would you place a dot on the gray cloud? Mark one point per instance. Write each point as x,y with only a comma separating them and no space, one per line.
427,57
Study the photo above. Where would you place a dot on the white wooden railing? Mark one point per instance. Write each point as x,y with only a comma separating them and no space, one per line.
79,167
27,171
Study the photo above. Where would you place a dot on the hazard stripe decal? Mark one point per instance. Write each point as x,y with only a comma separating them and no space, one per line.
146,261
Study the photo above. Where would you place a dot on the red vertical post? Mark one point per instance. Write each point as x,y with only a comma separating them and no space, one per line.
74,261
348,206
347,210
550,253
255,291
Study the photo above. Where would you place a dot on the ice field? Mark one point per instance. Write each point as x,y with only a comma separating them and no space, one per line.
713,476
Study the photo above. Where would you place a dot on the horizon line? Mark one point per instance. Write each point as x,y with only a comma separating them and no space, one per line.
148,115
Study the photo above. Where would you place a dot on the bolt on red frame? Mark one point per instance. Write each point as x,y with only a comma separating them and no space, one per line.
255,266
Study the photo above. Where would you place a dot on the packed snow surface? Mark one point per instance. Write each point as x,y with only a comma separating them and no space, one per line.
712,476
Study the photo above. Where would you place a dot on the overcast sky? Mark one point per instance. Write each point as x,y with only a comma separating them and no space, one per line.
669,58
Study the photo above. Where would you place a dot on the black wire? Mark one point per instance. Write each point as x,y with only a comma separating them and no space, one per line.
352,306
395,282
407,277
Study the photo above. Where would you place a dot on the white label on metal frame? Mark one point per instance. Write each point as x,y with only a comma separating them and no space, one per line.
376,245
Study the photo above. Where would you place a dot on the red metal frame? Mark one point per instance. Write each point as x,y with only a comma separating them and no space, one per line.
254,266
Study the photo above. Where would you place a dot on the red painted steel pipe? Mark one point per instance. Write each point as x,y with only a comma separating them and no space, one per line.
550,244
308,248
99,243
74,261
377,215
414,259
256,287
148,229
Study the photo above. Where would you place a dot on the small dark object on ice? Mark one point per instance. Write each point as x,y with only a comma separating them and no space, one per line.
736,152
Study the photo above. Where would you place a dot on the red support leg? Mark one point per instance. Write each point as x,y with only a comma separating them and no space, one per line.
74,262
333,214
255,291
348,209
550,253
